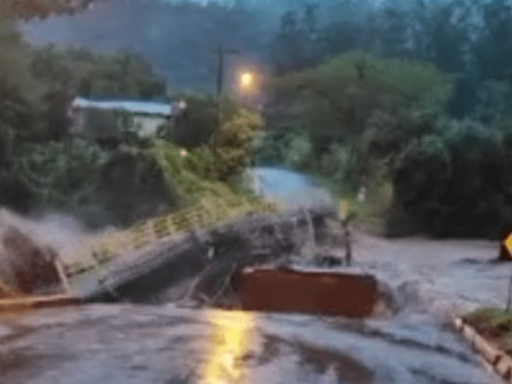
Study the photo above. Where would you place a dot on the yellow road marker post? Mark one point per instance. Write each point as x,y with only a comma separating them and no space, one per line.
344,209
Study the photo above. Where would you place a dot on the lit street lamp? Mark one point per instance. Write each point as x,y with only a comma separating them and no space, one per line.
182,105
247,80
247,85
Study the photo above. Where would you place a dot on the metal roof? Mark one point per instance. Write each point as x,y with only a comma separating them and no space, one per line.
133,106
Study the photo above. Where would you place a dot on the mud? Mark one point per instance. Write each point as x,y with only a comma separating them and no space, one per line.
30,267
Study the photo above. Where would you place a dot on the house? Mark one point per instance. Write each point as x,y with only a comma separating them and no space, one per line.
110,118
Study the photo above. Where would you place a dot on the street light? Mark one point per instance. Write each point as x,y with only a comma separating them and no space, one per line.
247,86
247,80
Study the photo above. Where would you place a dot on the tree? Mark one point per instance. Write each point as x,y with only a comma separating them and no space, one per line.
359,112
27,9
493,47
337,100
57,116
420,175
131,187
394,33
57,177
196,126
297,45
235,142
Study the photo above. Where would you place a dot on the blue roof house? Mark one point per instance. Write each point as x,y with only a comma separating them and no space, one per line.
102,118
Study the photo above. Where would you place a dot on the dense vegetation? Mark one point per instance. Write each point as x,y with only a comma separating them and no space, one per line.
412,101
44,167
41,167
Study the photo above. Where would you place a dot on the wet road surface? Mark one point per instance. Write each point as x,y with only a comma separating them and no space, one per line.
431,281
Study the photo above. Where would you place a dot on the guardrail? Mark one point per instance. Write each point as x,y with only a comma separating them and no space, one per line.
211,211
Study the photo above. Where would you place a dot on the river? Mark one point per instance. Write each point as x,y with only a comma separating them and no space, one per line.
431,282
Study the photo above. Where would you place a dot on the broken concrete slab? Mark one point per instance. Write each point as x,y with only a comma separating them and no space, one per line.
284,289
210,255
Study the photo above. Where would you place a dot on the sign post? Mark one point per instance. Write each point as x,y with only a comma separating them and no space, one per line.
344,213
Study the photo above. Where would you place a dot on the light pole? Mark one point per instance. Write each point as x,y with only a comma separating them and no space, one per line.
220,76
177,111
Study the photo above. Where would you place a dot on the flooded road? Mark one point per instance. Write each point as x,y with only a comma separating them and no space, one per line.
166,344
288,188
429,283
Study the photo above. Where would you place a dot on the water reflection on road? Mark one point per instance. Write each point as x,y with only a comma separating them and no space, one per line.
134,344
229,342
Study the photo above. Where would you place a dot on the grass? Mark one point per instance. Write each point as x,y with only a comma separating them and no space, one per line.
494,324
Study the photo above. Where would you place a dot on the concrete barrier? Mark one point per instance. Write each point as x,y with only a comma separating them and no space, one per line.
491,354
288,290
500,362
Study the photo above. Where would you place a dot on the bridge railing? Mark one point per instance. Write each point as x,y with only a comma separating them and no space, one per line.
210,212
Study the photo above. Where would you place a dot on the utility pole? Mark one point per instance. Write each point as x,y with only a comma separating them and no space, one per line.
220,52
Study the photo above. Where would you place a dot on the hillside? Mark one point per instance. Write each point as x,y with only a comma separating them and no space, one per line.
175,37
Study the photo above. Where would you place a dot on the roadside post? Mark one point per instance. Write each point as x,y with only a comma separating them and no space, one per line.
507,243
62,275
344,214
344,207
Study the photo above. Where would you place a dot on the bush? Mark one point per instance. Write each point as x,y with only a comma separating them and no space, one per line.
235,142
197,124
60,174
282,145
455,183
15,194
131,187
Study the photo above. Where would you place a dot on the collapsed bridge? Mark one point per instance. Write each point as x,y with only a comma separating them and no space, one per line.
209,265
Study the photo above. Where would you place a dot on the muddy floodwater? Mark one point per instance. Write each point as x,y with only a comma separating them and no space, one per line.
431,281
